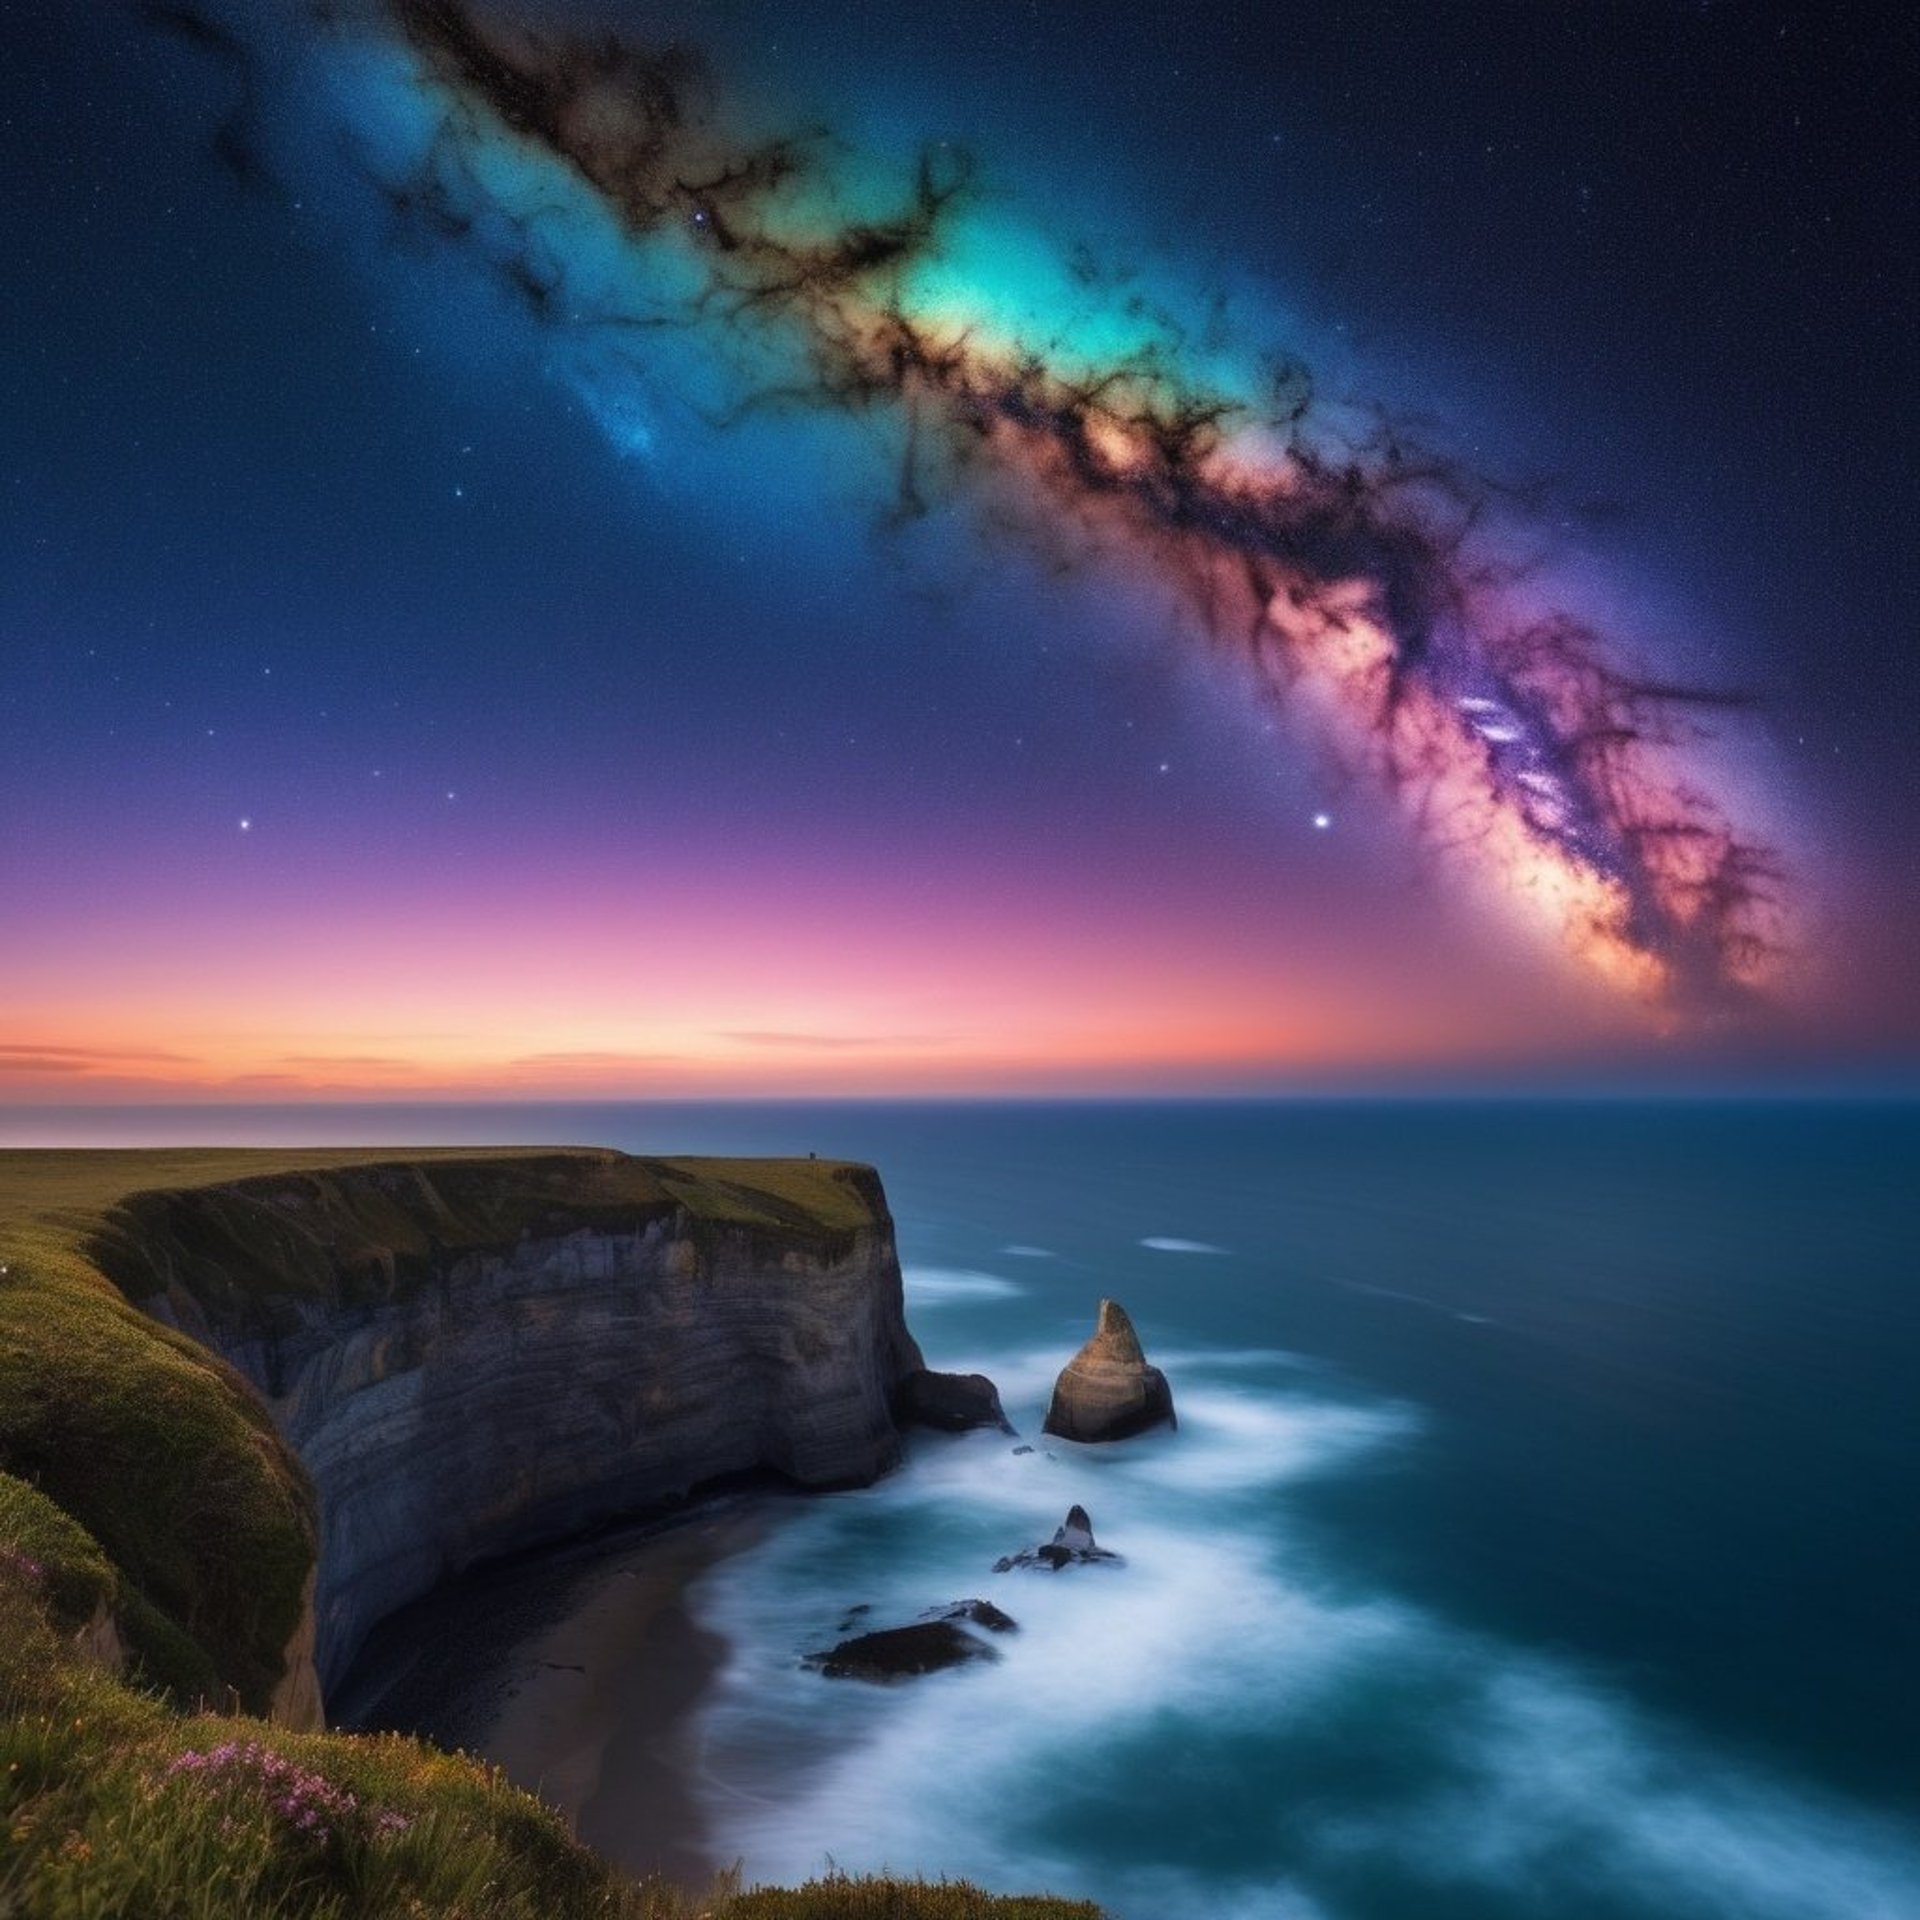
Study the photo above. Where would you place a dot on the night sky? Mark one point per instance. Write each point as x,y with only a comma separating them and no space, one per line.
608,550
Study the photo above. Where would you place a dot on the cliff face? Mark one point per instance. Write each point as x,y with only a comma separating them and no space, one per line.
475,1356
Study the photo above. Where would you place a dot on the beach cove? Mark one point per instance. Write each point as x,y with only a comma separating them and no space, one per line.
1390,1546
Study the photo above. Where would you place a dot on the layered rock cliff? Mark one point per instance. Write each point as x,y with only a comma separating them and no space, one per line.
475,1355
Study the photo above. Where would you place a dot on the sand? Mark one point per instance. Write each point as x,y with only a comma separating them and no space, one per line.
597,1723
579,1676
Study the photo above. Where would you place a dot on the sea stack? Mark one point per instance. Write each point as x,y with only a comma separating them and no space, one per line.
1107,1390
1072,1545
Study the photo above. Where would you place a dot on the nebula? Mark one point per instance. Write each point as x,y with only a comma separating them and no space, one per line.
1377,590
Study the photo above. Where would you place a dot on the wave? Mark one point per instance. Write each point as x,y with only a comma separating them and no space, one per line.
951,1286
1226,1724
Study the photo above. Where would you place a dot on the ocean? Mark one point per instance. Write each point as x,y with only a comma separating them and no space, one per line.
1539,1535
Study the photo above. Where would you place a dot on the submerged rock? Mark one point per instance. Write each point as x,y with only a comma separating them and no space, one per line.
1107,1391
1072,1544
951,1402
902,1653
980,1613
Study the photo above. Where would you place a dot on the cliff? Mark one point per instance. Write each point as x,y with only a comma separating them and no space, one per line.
476,1356
470,1354
474,1351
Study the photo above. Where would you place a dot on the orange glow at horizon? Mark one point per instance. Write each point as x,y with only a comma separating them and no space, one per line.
880,986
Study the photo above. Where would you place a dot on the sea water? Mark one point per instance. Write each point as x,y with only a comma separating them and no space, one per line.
1539,1536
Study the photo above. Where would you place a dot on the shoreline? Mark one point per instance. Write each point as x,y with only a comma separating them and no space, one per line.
577,1673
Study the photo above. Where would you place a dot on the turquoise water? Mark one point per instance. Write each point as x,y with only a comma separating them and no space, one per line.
1539,1536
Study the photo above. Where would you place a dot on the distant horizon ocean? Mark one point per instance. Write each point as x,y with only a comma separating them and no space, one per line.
1539,1536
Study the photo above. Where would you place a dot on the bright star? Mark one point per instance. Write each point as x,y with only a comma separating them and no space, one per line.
1323,821
246,826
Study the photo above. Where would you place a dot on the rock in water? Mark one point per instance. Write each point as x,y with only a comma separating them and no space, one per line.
899,1653
1107,1390
951,1402
978,1613
1072,1545
1076,1531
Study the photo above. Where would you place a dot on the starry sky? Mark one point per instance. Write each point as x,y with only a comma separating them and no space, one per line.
589,549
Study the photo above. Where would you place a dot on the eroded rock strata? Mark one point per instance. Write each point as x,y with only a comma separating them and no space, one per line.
1108,1391
472,1357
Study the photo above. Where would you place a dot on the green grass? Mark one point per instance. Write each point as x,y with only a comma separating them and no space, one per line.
41,1543
142,1482
165,1457
841,1897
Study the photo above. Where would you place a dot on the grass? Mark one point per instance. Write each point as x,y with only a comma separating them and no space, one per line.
843,1897
142,1483
72,1187
162,1452
169,1462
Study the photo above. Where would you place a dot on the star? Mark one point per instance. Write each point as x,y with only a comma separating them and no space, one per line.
1323,821
246,825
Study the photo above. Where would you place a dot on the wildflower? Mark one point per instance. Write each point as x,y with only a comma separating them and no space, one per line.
306,1805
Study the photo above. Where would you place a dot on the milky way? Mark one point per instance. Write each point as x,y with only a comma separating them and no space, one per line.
1377,590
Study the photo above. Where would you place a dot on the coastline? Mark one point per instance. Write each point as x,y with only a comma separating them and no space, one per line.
577,1673
599,1720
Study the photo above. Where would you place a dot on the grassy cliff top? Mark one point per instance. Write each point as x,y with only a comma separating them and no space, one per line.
63,1186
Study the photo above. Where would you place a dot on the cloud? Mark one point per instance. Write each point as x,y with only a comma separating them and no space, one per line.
593,1060
835,1042
364,1062
23,1061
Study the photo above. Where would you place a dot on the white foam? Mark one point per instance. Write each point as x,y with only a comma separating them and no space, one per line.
1162,1243
1233,1359
1220,1634
951,1286
1228,1441
1548,1766
932,1778
1030,1253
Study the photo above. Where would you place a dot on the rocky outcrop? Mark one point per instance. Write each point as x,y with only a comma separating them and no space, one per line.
1107,1391
950,1402
1072,1545
475,1356
928,1646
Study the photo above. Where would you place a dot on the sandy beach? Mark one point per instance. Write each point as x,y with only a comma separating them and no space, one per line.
578,1674
597,1721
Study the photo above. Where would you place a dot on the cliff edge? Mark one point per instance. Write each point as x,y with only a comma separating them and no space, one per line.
459,1355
